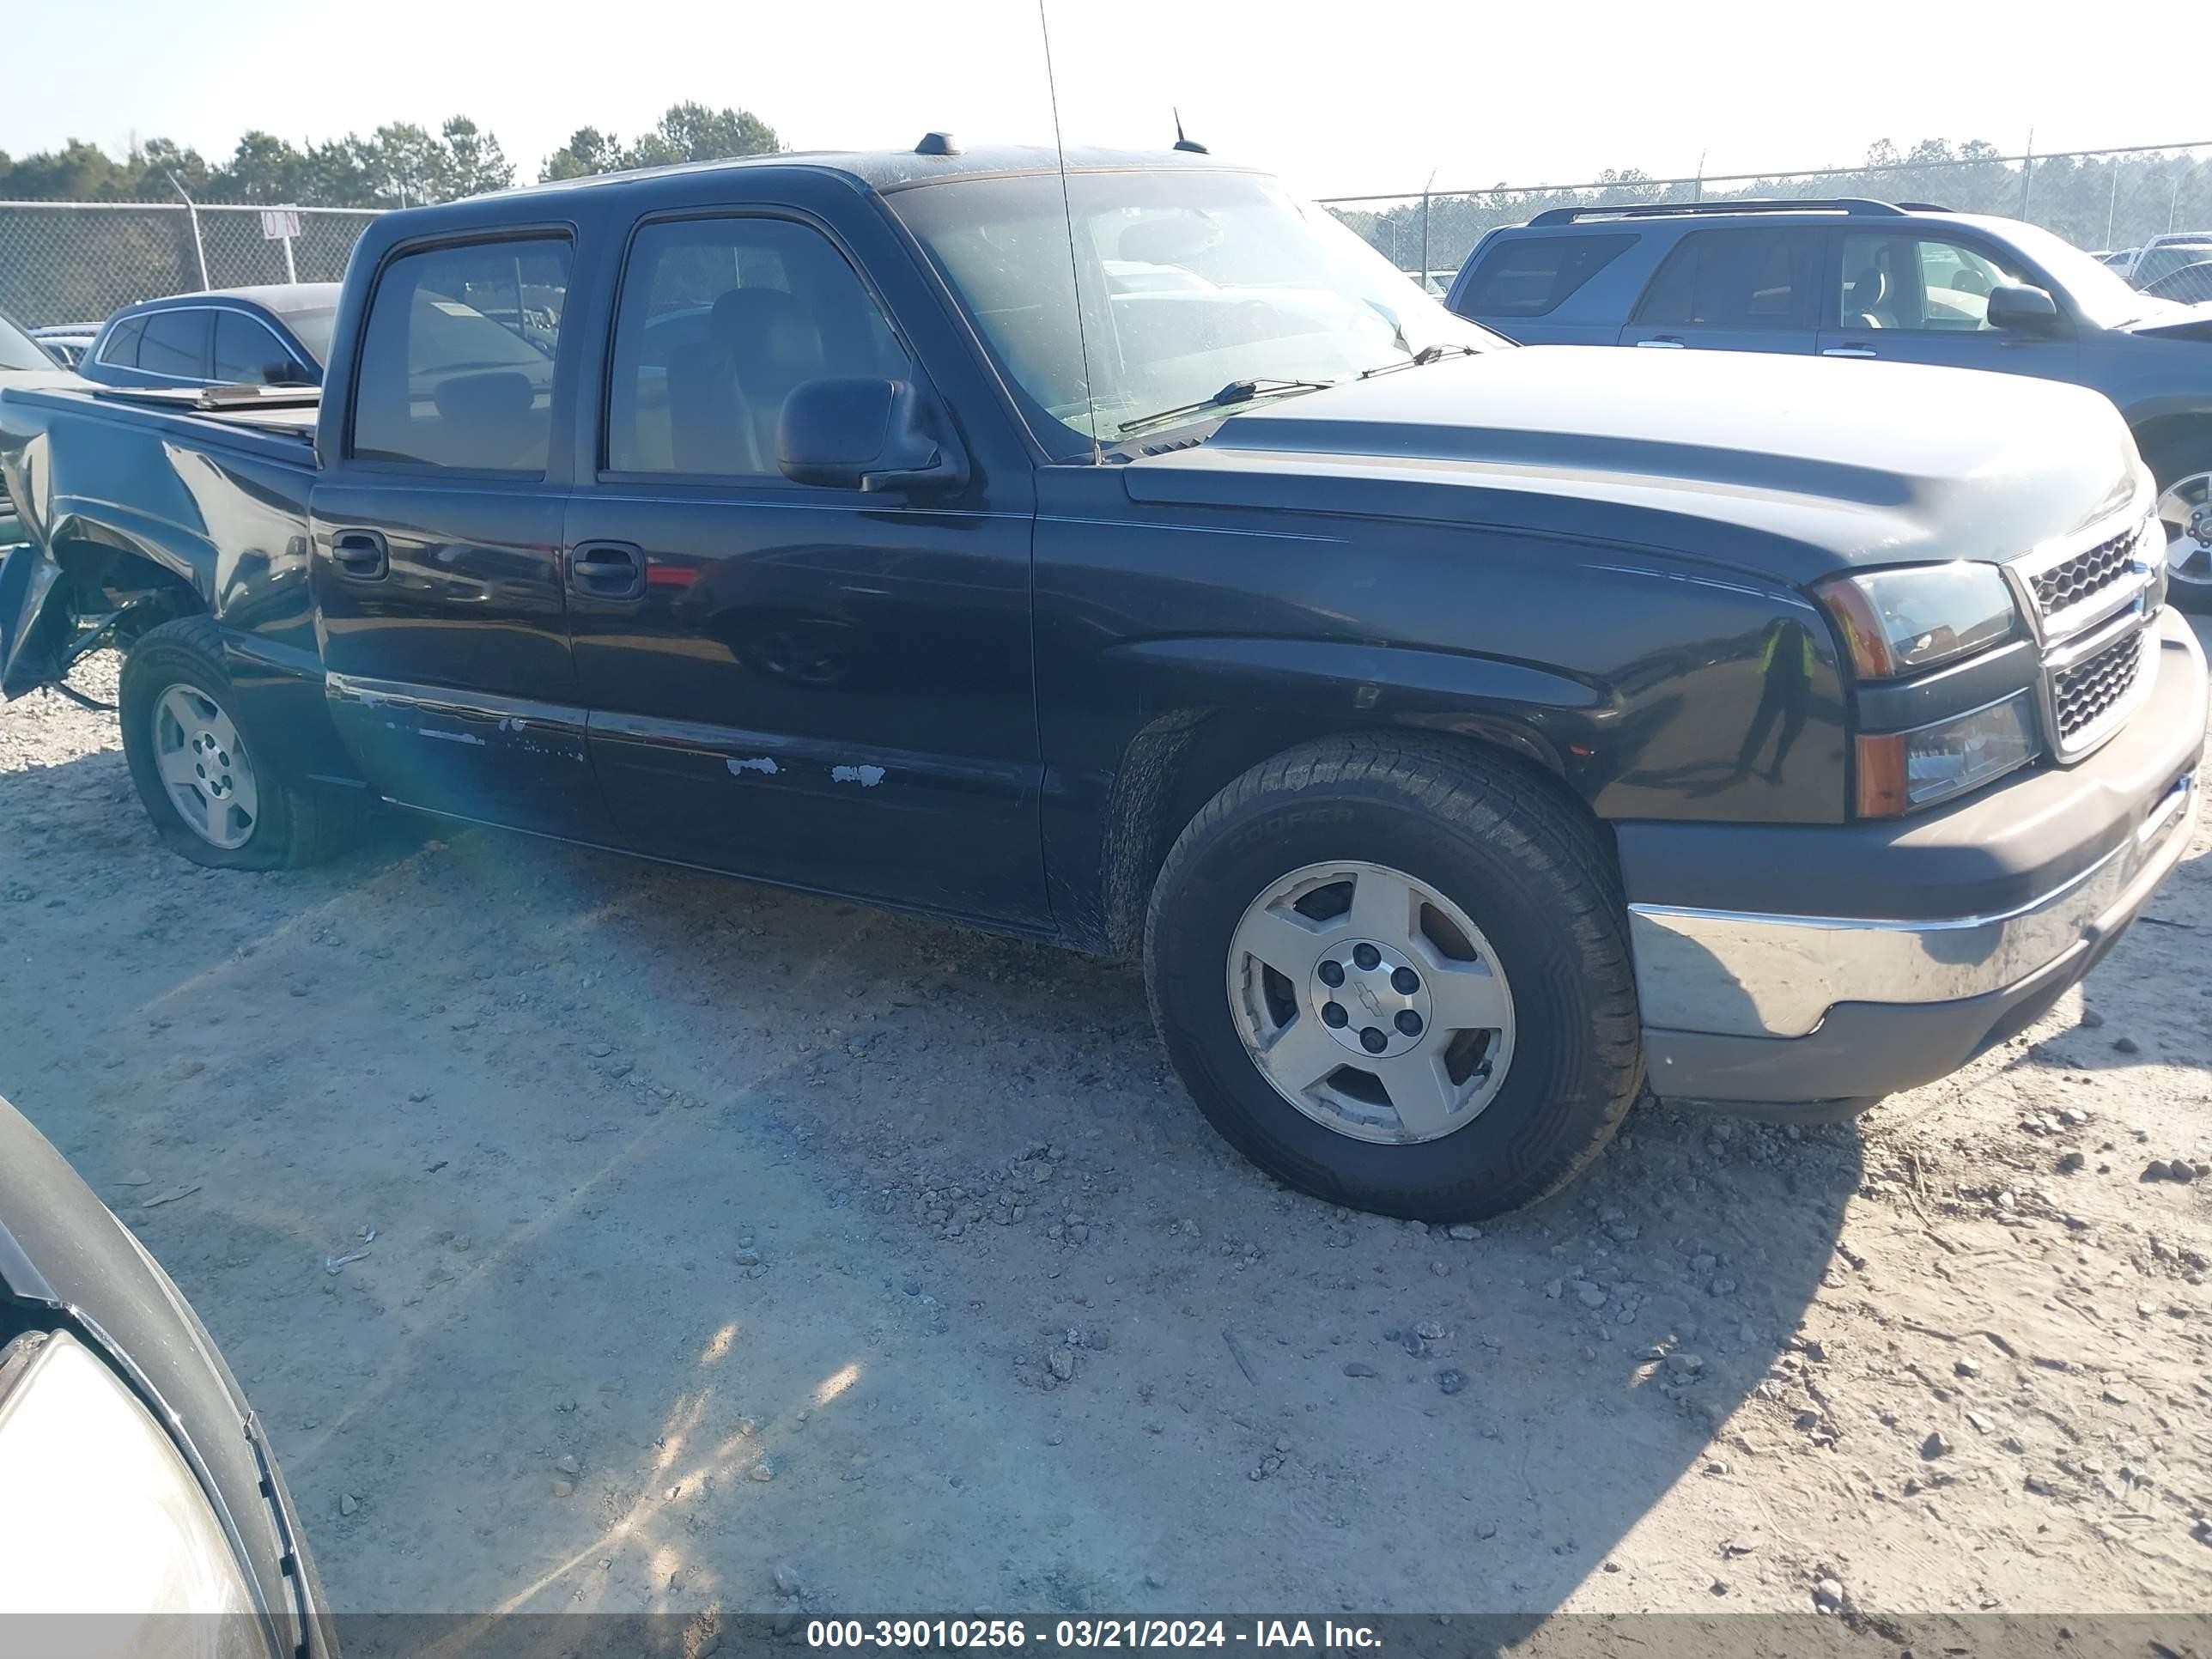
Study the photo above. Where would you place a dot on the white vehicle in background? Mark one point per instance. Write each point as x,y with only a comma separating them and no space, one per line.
2161,257
66,342
2189,285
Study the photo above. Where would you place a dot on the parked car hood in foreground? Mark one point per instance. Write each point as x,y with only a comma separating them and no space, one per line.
1785,466
68,1264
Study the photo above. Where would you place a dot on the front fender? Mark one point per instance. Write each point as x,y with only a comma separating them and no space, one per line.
2171,404
1341,683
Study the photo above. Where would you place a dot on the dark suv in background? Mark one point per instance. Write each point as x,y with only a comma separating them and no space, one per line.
278,334
1907,282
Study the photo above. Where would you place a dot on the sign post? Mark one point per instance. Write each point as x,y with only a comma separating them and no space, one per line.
282,225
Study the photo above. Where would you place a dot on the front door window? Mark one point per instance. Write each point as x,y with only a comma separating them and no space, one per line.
1918,283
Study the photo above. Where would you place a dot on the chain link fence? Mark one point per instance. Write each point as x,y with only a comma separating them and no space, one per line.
2096,199
75,261
71,262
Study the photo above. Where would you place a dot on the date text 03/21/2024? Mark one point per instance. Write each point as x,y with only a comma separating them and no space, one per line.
1015,1633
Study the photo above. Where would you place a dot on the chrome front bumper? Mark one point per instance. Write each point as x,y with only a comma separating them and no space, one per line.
1735,973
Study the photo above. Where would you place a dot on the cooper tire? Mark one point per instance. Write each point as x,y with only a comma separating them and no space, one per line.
179,665
1492,840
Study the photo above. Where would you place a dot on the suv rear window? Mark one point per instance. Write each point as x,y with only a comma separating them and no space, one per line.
1531,275
1766,278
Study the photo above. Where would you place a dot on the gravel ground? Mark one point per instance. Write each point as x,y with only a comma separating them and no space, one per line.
593,1236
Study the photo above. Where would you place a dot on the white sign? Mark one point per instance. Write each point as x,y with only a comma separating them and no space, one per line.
279,224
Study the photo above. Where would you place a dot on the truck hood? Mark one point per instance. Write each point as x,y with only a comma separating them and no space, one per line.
1788,467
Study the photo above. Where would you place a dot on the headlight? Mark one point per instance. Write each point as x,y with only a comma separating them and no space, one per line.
99,1514
1900,622
1900,771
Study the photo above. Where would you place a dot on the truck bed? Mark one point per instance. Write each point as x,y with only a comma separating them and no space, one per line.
289,417
207,492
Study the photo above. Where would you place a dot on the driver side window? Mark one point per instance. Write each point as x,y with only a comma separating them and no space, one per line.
1918,283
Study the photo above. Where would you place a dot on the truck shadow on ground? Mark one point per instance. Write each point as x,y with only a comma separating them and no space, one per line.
719,1231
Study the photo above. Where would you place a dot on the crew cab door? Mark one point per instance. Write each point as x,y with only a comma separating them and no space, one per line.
1750,289
1912,297
821,687
438,570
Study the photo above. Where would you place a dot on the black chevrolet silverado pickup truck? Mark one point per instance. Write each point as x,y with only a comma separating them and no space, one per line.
1459,733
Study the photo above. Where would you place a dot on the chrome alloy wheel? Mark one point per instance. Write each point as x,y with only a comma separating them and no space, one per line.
205,768
2184,511
1372,1004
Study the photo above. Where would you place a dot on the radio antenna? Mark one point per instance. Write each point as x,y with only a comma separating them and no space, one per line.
1074,269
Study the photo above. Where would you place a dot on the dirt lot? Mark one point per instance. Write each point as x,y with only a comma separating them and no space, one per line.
594,1235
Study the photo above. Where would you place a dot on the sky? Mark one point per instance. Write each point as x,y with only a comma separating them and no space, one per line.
1351,97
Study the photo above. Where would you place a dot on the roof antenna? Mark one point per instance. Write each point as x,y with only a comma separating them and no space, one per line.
1074,271
1190,144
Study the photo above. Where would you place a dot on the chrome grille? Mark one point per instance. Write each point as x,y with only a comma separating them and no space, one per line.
2085,575
2082,696
2090,598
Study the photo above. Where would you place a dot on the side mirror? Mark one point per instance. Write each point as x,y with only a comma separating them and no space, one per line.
2022,309
855,433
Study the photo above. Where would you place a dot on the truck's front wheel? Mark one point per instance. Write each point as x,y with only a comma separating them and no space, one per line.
1398,978
212,797
2183,467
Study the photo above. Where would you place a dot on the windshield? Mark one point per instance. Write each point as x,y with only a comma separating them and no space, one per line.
2098,292
18,351
1192,281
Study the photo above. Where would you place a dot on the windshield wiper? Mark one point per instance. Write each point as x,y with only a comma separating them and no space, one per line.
1237,392
1423,358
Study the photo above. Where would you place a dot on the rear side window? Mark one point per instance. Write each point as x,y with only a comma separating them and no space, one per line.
121,346
457,357
247,354
1766,278
175,343
1531,275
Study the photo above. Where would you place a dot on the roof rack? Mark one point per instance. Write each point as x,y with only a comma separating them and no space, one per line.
1855,204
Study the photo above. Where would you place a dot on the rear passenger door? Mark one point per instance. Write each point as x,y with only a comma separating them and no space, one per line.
1913,298
814,686
1754,289
1527,288
438,554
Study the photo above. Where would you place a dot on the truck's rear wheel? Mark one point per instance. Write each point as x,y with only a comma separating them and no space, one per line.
1397,978
212,795
2183,467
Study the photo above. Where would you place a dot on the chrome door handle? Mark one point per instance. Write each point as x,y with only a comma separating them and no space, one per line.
1848,351
1663,344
